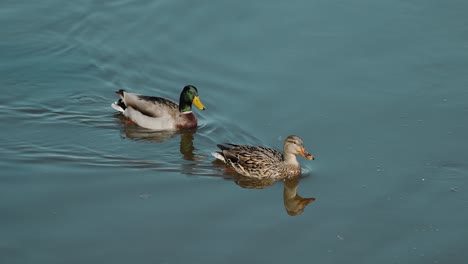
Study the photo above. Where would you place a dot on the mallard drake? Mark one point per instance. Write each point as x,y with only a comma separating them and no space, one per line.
159,113
262,162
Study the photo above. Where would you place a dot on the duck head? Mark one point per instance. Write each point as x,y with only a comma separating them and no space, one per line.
294,145
188,96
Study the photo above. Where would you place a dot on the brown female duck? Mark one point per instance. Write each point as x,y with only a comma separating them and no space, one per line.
262,162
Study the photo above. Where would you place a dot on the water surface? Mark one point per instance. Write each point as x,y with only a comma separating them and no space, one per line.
378,92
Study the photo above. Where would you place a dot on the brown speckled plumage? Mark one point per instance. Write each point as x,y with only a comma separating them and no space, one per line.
262,162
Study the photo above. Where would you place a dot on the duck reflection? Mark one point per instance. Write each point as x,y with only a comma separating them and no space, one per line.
135,132
293,202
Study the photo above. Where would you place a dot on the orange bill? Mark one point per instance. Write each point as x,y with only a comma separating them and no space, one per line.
306,201
305,154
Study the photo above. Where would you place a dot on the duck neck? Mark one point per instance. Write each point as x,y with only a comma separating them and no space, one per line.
185,107
290,159
289,191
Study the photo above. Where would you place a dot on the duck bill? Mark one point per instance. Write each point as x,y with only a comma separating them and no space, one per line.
306,201
196,101
305,154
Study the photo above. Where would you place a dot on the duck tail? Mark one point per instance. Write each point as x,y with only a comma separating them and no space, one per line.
120,93
226,146
218,155
119,106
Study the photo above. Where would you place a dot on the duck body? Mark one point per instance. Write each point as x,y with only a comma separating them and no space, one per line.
262,162
256,161
158,113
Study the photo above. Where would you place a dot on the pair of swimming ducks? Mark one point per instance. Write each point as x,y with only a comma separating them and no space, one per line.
159,113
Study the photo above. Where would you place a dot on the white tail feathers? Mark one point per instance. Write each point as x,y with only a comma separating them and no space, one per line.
218,156
117,107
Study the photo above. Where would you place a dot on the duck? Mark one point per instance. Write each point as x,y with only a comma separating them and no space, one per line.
158,113
262,162
293,202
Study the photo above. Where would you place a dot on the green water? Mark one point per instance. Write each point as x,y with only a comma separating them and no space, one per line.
377,90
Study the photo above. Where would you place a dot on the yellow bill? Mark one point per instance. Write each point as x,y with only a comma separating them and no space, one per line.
196,101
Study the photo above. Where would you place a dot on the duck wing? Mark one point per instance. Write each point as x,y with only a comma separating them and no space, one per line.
251,156
151,106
